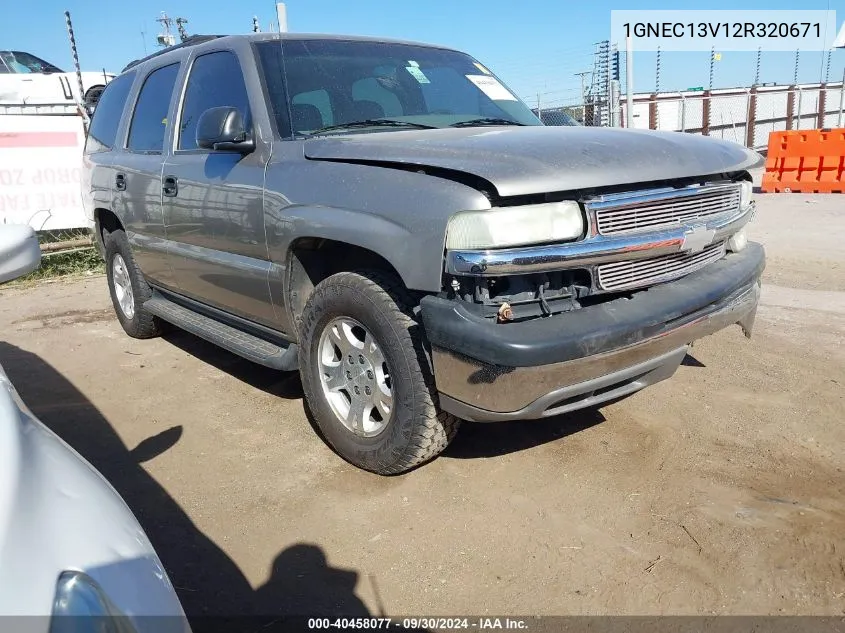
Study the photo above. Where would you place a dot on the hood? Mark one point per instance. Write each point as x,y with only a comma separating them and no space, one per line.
539,159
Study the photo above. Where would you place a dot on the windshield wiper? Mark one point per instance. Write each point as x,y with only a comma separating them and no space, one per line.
373,123
485,121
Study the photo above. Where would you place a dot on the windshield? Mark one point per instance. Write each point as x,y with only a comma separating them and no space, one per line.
20,62
330,83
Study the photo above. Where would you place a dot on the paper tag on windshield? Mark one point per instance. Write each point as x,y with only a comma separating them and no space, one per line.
417,74
491,87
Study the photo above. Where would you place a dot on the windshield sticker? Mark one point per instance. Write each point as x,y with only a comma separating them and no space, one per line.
411,62
481,68
491,87
417,74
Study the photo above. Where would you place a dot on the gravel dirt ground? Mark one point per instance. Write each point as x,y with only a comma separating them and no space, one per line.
720,491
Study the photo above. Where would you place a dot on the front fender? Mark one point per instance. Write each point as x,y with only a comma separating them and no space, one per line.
398,214
414,260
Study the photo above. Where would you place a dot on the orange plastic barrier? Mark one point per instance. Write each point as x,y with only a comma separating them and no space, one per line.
806,161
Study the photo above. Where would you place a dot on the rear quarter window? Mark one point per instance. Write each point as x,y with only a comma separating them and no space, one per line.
149,121
107,116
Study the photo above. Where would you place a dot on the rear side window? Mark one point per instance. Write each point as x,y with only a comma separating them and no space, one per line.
149,121
103,130
216,80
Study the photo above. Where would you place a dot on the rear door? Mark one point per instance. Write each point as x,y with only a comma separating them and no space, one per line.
214,201
101,145
137,174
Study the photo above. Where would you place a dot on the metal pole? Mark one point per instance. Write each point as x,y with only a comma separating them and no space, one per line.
757,70
712,61
583,96
683,113
629,82
841,100
795,75
539,108
255,27
282,15
657,72
608,91
75,56
748,121
800,95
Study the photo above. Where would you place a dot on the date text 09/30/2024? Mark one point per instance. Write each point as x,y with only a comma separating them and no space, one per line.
415,624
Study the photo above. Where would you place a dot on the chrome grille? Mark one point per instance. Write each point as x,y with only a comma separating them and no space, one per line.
666,208
644,272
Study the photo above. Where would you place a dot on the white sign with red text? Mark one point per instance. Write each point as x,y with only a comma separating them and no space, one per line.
40,171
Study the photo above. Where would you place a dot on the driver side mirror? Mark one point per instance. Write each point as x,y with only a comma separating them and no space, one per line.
223,129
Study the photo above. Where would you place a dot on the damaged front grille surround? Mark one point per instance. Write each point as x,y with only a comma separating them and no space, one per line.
634,240
520,297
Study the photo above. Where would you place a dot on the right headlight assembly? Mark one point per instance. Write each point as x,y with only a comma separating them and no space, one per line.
505,227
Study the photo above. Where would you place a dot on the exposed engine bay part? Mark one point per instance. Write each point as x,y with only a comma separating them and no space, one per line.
519,297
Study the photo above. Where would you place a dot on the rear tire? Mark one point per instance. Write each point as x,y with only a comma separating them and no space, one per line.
379,308
128,288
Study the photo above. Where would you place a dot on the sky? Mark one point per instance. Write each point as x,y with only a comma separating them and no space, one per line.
535,46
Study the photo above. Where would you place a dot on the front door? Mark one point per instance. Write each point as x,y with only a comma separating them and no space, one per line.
213,201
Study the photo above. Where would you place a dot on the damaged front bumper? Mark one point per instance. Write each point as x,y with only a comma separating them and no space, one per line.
547,366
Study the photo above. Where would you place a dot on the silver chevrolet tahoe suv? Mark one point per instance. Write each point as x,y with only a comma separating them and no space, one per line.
390,220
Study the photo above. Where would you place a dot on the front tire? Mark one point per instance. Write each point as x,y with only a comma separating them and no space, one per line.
366,376
128,288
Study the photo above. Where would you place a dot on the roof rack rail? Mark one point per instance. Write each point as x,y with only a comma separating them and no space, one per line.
193,40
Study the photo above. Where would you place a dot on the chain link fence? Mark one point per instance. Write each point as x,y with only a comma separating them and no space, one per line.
566,115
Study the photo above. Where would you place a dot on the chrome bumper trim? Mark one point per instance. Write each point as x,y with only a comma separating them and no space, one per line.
595,250
534,392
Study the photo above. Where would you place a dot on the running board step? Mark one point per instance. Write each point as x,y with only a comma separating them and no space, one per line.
236,341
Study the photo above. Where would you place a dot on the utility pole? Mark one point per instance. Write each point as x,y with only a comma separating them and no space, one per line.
613,105
583,94
165,38
180,25
603,80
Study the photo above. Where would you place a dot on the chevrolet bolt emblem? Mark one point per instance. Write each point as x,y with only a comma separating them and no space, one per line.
697,238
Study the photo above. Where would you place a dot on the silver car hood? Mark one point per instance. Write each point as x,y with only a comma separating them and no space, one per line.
537,159
57,513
